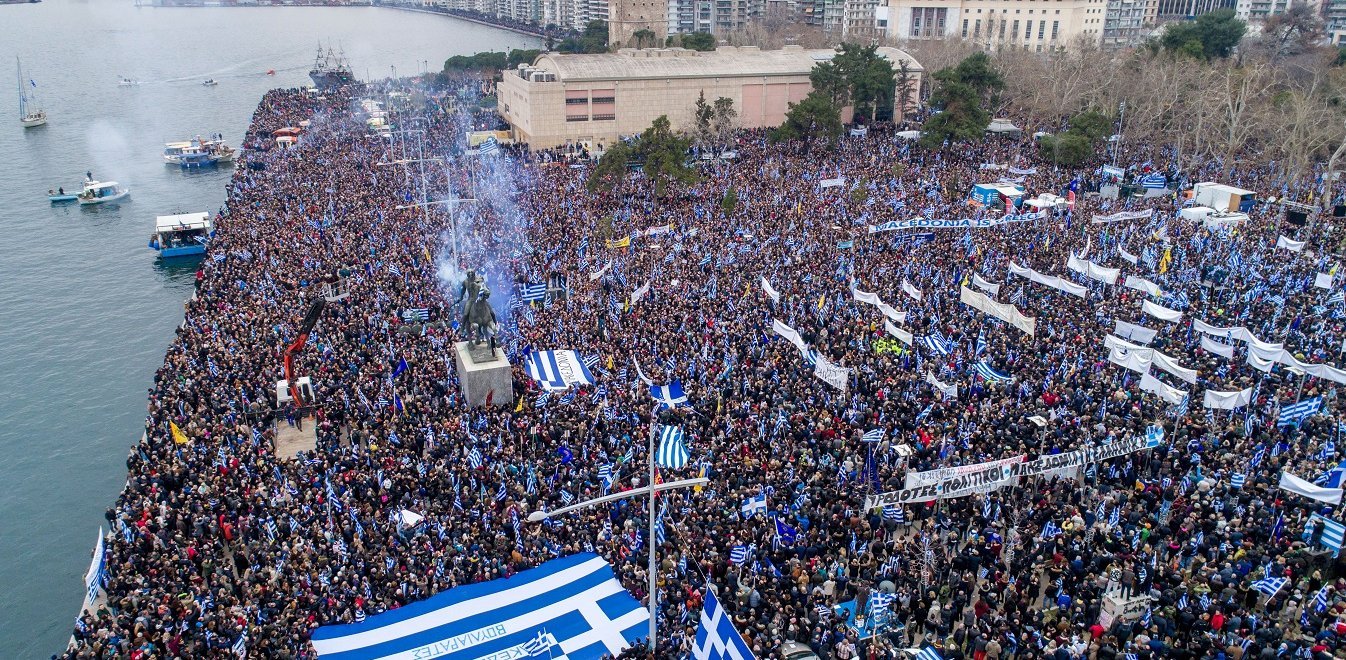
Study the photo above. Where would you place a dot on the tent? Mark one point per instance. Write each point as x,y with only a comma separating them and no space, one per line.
909,135
1002,126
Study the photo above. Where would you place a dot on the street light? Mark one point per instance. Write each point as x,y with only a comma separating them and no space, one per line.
651,489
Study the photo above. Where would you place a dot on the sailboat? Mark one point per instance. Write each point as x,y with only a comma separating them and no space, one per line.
29,114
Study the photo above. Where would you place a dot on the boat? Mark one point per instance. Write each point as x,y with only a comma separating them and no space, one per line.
61,196
127,82
102,192
30,114
210,82
181,235
198,152
330,70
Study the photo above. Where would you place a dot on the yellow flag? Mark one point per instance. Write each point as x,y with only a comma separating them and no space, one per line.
178,436
822,300
625,242
519,408
609,363
427,254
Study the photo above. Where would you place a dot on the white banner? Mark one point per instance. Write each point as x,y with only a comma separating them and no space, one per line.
832,183
94,577
1160,312
1153,385
1139,359
993,289
1296,485
1137,333
1048,280
766,286
948,391
911,290
873,299
1291,245
1218,348
834,375
1323,281
790,334
967,479
1142,284
1127,256
1119,217
1170,365
599,273
639,293
966,223
902,335
1005,312
1259,364
1092,270
1228,400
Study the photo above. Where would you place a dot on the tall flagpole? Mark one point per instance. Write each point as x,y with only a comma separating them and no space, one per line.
652,541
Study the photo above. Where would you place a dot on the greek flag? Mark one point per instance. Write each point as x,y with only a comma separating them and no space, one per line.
672,453
754,505
927,652
558,370
1154,181
937,344
1237,480
533,292
474,458
873,435
1051,530
97,573
490,146
240,647
572,607
985,371
1294,414
1271,585
670,395
416,314
716,638
1337,297
738,555
1320,599
895,514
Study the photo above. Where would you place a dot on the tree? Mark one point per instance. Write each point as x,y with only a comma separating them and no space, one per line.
703,112
962,94
724,119
665,155
703,41
829,80
904,87
1211,35
593,40
813,118
643,36
1069,148
729,201
611,168
857,76
1295,30
517,57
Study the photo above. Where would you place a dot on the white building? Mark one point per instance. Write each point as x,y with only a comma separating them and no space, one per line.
1035,25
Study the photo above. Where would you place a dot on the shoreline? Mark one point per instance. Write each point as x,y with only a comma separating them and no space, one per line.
200,4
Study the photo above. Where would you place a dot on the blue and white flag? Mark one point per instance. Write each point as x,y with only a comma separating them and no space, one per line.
416,314
558,370
738,554
490,146
873,435
985,371
670,395
1154,181
1293,414
1051,530
1320,598
97,574
533,292
787,534
716,638
937,343
572,607
1237,480
928,652
754,505
672,452
1271,585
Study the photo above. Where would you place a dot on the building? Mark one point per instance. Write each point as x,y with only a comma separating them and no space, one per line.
595,99
714,16
1124,23
860,20
627,17
1335,15
1036,25
1176,9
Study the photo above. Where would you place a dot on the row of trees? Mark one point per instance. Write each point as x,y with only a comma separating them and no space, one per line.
857,76
491,60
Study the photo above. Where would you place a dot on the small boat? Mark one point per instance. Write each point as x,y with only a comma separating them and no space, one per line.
30,114
210,82
102,192
198,152
127,82
61,196
181,235
270,72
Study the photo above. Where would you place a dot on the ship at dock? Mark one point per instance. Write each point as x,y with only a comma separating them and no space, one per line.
330,70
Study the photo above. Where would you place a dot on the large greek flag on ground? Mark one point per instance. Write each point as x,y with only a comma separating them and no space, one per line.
672,453
566,609
558,370
717,639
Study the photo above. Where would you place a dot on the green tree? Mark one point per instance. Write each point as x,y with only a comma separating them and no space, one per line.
644,37
961,94
594,39
729,201
1075,146
816,117
1211,35
665,155
829,80
517,57
703,112
703,41
611,168
870,77
1092,124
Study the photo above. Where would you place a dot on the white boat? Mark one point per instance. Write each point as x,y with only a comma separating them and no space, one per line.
30,114
181,235
127,82
102,192
210,82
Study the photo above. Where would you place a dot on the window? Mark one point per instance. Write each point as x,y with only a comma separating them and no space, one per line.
604,99
1002,28
965,28
1028,29
976,28
1056,29
604,117
1042,29
1014,30
577,118
577,101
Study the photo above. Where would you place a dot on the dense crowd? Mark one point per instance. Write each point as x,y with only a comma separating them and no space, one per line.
218,544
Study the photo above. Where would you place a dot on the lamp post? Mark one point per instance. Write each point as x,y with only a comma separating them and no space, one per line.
650,489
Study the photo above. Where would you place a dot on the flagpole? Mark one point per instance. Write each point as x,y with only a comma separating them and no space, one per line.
653,541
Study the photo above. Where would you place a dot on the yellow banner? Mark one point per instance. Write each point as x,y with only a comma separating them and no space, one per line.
623,243
178,436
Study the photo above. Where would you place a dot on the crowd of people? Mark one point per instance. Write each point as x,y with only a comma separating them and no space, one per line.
218,545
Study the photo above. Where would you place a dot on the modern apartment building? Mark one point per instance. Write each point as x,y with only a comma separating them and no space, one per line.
1035,25
1124,23
1174,9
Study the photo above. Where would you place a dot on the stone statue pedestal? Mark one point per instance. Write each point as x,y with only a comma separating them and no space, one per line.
480,376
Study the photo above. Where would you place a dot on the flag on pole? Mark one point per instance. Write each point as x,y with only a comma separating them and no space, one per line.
716,638
672,452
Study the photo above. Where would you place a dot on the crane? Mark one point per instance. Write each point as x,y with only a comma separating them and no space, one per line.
310,320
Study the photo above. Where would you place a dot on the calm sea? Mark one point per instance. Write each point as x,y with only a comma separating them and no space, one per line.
86,311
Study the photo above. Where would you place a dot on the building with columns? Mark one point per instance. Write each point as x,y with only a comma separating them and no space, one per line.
1034,25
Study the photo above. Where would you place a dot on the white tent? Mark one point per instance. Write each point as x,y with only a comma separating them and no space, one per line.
909,135
1002,126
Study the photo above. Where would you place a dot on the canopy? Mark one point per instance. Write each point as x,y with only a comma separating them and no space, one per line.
182,221
1002,126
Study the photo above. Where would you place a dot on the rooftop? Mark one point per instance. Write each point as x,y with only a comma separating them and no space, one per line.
663,63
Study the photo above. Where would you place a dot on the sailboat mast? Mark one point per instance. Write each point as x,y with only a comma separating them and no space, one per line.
23,99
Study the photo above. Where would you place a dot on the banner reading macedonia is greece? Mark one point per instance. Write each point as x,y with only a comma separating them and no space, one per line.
566,609
985,477
965,223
